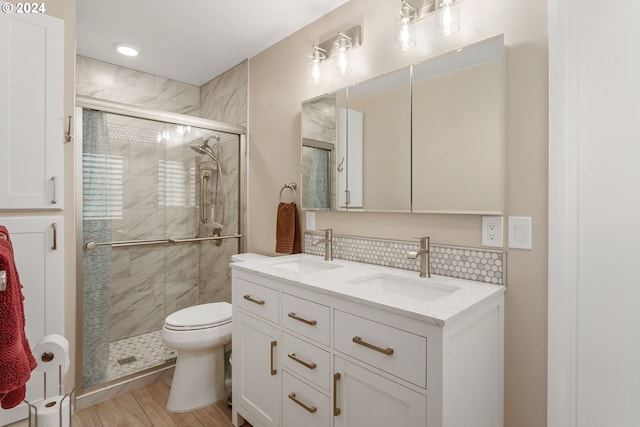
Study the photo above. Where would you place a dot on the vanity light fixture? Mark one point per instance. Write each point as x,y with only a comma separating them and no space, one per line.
338,48
127,49
405,26
317,56
447,18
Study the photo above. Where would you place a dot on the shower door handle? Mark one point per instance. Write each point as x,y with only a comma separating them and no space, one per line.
54,198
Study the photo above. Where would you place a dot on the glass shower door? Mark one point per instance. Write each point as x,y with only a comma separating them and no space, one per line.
144,184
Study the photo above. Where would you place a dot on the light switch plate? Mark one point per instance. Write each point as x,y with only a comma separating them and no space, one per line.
492,231
519,231
311,220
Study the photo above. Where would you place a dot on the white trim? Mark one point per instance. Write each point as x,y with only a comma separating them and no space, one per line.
562,383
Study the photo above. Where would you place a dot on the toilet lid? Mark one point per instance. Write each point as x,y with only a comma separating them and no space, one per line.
200,316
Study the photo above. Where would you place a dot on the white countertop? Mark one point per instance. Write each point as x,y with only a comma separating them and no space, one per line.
342,283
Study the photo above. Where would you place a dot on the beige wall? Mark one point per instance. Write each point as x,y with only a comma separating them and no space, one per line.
278,85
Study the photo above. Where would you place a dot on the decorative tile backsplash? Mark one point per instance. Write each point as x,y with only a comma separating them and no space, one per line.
479,264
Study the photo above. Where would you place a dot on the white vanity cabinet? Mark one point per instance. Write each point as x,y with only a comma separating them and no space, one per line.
350,362
365,398
257,375
31,111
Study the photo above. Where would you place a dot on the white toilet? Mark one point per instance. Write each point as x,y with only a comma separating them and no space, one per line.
198,334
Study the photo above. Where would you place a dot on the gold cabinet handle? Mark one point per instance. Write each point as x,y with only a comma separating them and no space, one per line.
388,351
293,356
311,409
273,345
301,319
255,301
336,410
54,246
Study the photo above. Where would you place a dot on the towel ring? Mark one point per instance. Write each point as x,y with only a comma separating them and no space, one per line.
291,187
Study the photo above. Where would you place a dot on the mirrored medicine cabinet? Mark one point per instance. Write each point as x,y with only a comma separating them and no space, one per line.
427,138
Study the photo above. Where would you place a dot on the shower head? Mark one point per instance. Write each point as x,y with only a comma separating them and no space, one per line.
205,148
202,149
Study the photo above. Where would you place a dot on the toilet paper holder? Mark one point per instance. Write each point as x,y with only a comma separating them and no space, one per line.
70,396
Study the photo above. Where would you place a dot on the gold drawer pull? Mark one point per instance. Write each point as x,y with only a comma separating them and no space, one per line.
300,319
255,301
311,409
388,351
273,345
336,410
293,356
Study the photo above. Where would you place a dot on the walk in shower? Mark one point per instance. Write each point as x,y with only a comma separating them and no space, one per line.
160,219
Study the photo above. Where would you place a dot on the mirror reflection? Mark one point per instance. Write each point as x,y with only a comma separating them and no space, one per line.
378,136
457,131
426,138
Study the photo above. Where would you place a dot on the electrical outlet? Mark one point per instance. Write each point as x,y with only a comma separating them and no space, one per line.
492,231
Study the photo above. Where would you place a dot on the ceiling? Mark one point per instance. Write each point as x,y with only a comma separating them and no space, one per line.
190,41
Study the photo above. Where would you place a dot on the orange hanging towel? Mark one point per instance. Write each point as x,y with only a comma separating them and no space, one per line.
288,229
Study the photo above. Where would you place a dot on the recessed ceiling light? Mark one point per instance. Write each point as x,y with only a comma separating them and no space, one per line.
127,49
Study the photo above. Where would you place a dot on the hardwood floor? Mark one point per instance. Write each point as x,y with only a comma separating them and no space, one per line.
146,407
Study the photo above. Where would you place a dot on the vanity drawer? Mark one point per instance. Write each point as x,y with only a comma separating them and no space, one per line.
257,299
302,405
306,318
392,350
306,360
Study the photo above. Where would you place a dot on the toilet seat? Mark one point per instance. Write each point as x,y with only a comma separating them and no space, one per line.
202,316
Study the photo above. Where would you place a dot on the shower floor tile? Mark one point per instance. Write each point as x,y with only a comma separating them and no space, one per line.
131,355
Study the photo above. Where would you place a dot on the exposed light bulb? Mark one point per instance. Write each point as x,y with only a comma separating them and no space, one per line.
315,72
343,64
317,56
447,24
404,37
342,44
405,28
447,19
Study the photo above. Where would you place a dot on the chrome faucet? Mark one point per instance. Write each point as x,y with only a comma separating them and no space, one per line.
425,258
328,244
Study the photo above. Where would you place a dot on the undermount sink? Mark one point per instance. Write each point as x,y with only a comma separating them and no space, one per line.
305,266
404,287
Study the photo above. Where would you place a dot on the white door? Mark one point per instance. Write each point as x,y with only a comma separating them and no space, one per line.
351,139
256,368
31,111
41,271
365,399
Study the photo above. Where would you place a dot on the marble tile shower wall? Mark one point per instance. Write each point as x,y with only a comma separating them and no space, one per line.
147,282
224,99
120,84
215,275
479,264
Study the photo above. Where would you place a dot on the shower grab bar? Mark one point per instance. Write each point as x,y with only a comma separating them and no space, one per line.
124,243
